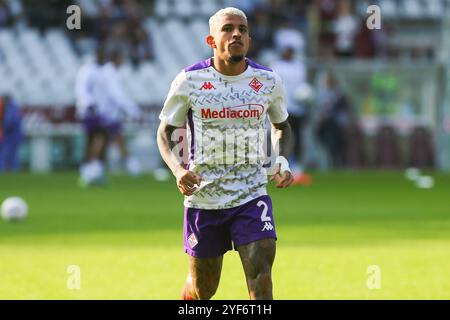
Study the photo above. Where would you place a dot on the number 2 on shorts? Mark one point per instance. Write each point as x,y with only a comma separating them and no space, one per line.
264,217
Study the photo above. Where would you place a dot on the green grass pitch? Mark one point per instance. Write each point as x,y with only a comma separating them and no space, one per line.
127,239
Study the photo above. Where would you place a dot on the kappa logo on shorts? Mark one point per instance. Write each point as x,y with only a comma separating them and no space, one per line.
267,227
192,241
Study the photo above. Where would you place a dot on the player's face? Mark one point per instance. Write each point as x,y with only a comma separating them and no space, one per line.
231,39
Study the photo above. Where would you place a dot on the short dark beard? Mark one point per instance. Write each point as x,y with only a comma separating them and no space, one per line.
235,59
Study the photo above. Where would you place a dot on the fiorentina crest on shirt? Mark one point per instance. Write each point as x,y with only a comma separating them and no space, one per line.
255,84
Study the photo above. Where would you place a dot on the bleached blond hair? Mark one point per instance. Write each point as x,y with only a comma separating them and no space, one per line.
230,11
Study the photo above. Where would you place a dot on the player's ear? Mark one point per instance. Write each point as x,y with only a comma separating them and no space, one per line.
210,41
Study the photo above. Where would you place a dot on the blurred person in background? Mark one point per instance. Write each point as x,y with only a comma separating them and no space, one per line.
87,111
117,23
334,117
10,134
46,14
141,46
113,103
101,101
11,12
288,36
5,13
346,29
293,72
262,32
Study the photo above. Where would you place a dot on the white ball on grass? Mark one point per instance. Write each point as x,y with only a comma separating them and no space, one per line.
425,182
14,209
412,174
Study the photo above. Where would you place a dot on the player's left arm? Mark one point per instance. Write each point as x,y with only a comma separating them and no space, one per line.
282,140
281,135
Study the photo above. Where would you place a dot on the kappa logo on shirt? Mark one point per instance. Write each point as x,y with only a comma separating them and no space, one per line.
207,86
255,84
192,240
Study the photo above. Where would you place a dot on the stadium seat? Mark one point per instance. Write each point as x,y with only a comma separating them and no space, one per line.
356,152
162,8
89,7
361,7
184,9
412,8
200,29
387,149
421,151
435,8
6,37
267,56
207,8
389,8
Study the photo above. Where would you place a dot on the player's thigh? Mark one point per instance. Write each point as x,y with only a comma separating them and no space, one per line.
205,272
97,134
257,257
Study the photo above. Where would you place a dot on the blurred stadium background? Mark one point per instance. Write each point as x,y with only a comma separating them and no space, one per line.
395,114
395,79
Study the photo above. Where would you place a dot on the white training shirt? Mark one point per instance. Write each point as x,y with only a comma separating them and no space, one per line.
294,74
110,97
84,87
226,129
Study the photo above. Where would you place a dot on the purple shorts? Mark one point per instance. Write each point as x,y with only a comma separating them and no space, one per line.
211,233
93,124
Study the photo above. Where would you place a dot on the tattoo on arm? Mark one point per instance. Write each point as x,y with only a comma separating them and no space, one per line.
166,146
168,136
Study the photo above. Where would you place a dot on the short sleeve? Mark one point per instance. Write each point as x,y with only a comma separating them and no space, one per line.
278,108
176,105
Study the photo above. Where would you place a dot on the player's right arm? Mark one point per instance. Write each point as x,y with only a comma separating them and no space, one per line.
173,116
186,180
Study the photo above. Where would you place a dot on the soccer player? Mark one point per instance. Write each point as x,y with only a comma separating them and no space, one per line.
225,101
100,103
87,112
112,103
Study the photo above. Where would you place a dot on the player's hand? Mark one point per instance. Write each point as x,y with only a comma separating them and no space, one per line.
282,179
187,181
